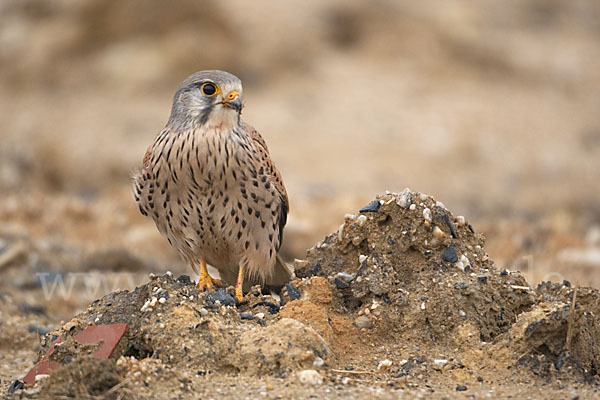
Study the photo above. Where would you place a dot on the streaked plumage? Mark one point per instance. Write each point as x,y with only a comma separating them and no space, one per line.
210,186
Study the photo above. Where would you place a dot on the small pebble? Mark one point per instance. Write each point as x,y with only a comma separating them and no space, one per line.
404,199
363,322
384,365
361,220
427,214
479,379
344,276
16,385
440,363
371,207
292,292
449,254
340,284
361,258
260,315
162,300
247,316
318,362
460,286
461,388
504,273
223,297
310,377
438,233
412,207
482,278
204,312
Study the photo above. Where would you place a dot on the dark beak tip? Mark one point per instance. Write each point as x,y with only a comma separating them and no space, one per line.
235,104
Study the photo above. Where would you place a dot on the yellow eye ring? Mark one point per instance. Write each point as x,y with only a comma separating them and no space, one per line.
210,89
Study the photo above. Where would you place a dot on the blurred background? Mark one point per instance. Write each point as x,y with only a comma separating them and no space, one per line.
491,107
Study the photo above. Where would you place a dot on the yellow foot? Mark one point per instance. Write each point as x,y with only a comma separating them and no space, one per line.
239,295
207,282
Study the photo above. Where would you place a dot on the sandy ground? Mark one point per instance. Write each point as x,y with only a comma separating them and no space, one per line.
491,108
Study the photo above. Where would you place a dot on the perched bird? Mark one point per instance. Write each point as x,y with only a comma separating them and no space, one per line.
210,186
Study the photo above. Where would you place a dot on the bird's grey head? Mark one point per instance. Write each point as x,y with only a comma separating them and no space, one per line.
207,98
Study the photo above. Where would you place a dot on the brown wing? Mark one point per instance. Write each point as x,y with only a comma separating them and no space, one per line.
274,173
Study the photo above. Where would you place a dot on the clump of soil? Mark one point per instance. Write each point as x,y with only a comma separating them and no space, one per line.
403,294
84,378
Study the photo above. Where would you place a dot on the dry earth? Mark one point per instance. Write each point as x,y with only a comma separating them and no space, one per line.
402,300
491,107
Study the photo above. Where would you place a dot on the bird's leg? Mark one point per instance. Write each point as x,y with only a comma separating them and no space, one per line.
239,294
205,281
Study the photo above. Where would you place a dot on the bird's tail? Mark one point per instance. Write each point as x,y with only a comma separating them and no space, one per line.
282,274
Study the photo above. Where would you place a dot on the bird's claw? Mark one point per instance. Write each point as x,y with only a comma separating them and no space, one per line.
207,282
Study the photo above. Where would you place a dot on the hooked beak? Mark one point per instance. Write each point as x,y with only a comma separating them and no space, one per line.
233,101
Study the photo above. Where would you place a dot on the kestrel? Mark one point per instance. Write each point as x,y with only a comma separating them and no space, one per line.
211,188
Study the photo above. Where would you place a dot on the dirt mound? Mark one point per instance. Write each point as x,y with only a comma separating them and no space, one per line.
402,295
426,268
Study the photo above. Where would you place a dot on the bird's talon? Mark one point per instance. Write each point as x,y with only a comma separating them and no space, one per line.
208,283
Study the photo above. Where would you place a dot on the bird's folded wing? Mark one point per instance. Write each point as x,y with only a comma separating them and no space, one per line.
274,173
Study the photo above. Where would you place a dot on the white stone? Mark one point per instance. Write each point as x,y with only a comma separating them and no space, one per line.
340,232
403,200
427,214
310,377
361,258
438,233
412,207
384,364
41,376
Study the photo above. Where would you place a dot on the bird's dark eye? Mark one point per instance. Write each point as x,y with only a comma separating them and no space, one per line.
209,89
